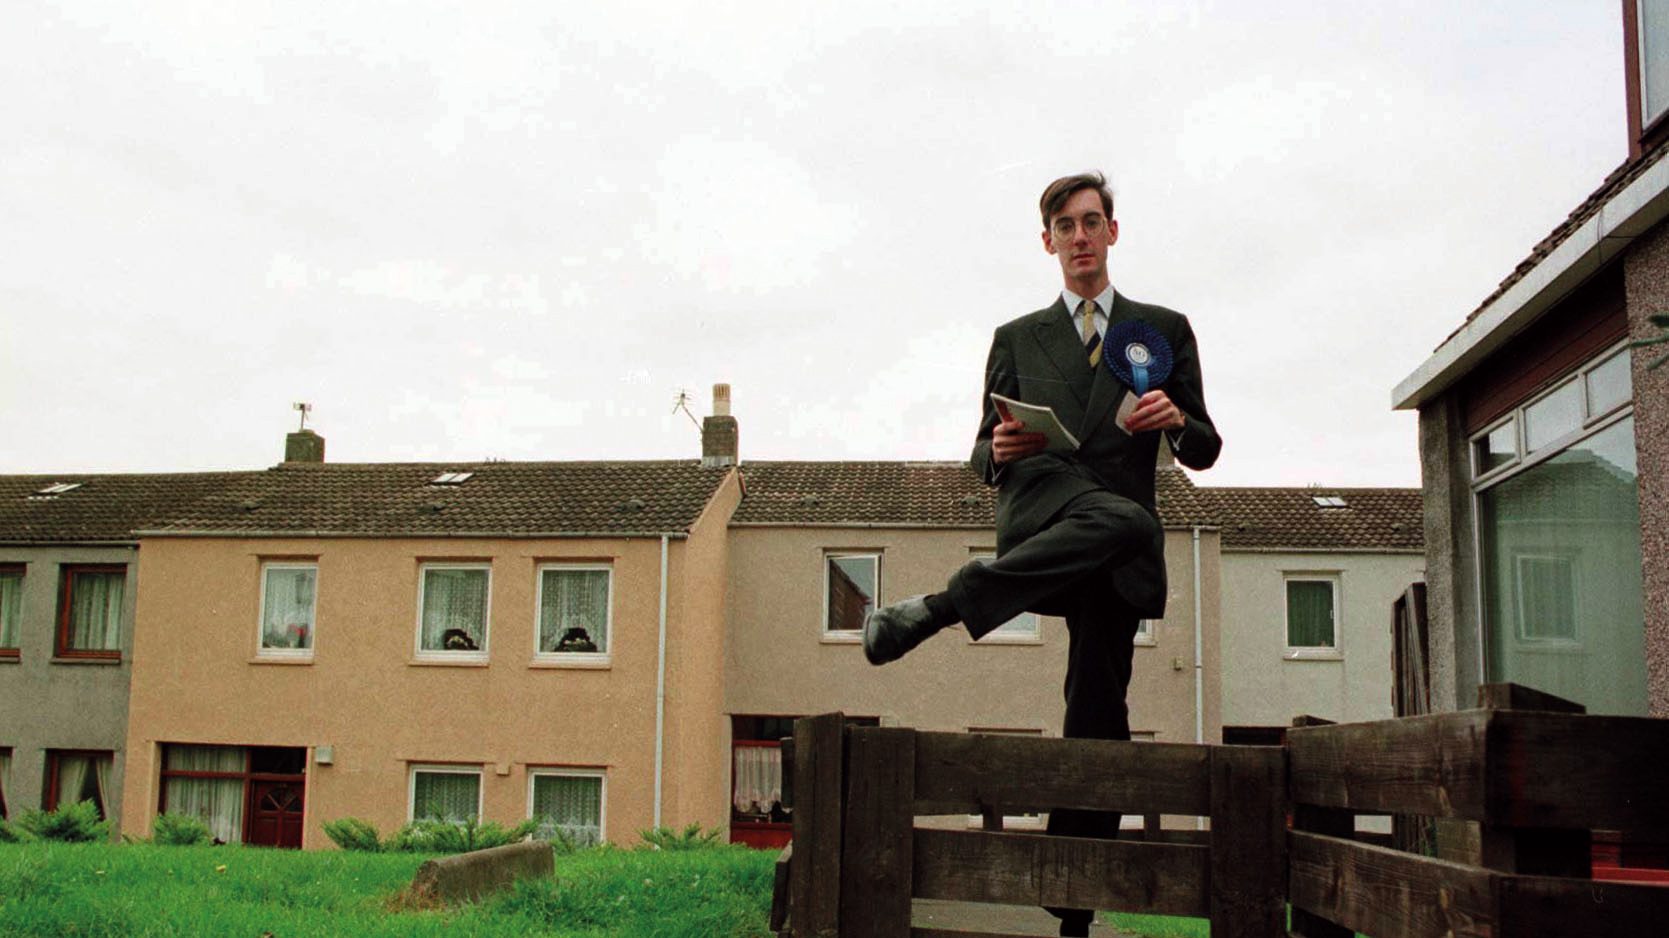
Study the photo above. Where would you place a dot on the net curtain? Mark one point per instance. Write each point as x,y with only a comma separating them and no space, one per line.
217,802
289,609
572,803
453,599
758,779
574,599
96,611
446,796
11,608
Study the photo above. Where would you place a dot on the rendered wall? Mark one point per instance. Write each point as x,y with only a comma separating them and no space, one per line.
1646,282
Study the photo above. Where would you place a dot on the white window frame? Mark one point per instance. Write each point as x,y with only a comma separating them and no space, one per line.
444,768
592,659
1535,641
556,771
1313,652
442,654
829,557
997,636
1145,636
291,654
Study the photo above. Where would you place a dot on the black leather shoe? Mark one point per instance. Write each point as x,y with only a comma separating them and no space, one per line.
892,631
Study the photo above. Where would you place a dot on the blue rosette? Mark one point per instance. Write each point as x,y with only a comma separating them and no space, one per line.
1137,354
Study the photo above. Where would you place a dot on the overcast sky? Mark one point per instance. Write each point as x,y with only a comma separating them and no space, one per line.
518,231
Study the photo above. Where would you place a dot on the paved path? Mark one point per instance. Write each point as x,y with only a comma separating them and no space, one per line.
998,919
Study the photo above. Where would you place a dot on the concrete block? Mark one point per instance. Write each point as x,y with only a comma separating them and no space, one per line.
466,877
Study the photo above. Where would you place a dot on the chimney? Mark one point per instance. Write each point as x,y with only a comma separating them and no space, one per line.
718,432
304,446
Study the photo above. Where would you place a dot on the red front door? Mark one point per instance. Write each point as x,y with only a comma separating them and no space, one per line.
275,813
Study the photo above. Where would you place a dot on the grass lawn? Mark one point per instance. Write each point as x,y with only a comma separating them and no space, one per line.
1158,926
141,890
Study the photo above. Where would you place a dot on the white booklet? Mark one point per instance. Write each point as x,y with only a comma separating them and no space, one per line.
1036,419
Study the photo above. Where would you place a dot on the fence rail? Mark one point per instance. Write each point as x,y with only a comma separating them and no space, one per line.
1537,783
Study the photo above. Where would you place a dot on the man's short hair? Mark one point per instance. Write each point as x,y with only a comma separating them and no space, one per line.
1055,197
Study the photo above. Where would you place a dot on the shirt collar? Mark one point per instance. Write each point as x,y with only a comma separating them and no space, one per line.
1103,303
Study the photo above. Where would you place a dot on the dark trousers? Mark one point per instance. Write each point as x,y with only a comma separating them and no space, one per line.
1066,569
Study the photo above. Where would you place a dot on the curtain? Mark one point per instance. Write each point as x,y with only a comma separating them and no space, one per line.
573,803
758,779
1309,614
217,802
5,779
448,796
101,776
288,608
11,608
574,611
72,779
96,611
454,601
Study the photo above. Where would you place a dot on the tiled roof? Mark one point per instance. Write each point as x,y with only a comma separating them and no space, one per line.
365,499
101,509
1278,518
1614,183
908,494
509,498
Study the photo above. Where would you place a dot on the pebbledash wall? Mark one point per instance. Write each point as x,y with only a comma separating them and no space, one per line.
367,703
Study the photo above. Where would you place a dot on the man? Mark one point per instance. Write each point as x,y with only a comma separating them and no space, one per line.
1078,533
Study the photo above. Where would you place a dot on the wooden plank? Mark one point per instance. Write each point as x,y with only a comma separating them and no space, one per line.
1578,772
1066,872
1509,696
780,876
1432,765
1387,893
959,773
1331,822
1248,841
814,878
876,859
1536,906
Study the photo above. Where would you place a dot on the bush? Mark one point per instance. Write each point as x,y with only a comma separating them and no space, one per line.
10,834
180,830
71,823
431,835
351,833
691,837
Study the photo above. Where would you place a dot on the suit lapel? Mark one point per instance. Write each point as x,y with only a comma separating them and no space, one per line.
1064,349
1105,390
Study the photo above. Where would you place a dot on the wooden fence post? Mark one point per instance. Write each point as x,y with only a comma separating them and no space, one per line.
1332,822
814,874
876,863
1248,842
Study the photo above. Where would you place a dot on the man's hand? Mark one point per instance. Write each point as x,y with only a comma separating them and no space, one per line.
1154,411
1009,442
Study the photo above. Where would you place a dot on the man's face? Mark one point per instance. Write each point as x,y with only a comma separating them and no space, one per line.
1079,236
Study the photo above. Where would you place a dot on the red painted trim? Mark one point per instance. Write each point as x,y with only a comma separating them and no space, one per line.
66,575
1631,75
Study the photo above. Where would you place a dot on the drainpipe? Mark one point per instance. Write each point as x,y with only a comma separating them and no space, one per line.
1199,652
660,688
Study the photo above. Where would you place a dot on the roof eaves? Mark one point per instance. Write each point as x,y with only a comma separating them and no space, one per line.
409,535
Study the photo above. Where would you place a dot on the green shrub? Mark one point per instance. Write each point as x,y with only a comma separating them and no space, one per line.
180,830
10,834
691,837
71,823
430,835
351,833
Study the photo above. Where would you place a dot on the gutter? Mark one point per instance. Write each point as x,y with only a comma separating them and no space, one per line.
660,690
1629,213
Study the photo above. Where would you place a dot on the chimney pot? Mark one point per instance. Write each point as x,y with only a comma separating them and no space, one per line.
718,432
721,400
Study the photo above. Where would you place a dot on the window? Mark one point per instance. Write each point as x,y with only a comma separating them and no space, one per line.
245,794
757,815
1023,628
1144,633
5,778
574,610
1329,501
74,775
1312,614
11,608
90,613
851,585
1546,598
567,800
445,792
452,611
451,478
288,601
1653,28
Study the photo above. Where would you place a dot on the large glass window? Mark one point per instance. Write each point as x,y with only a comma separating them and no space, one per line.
206,782
452,611
1559,546
569,800
288,603
445,792
11,608
852,584
90,613
573,610
74,775
1654,59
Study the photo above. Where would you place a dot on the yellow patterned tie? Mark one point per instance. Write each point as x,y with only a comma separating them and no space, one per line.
1092,340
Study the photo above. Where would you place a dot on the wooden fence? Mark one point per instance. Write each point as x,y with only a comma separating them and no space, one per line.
1536,782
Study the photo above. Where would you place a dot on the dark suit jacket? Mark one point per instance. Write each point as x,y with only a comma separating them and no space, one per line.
1040,359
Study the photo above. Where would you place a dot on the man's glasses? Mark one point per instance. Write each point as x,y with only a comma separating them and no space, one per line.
1093,225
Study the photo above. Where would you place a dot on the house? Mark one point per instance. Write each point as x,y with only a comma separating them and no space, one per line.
1544,443
68,581
399,641
1309,576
